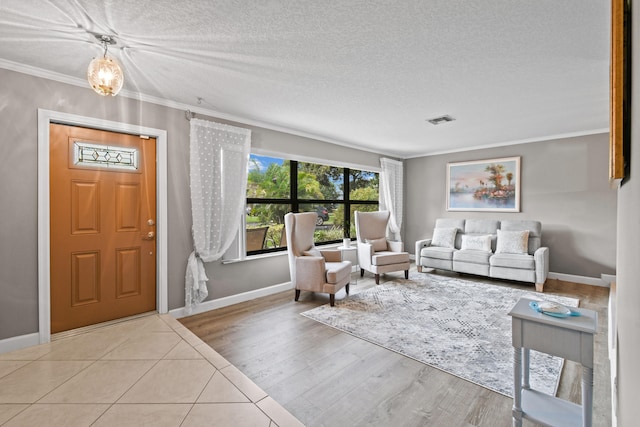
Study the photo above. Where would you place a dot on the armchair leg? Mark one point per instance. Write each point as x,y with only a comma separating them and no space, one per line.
377,279
346,288
361,272
419,268
539,287
406,274
297,294
332,299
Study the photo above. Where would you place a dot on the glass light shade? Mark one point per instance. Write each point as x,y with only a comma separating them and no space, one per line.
105,76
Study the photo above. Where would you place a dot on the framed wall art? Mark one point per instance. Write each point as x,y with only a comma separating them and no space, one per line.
620,91
484,185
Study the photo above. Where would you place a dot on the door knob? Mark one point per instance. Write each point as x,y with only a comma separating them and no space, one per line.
150,222
151,235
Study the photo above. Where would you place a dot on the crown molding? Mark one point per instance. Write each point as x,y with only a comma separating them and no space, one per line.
75,81
516,142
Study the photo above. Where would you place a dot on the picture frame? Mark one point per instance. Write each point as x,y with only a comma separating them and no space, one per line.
491,185
620,92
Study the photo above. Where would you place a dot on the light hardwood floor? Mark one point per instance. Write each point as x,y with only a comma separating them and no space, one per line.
325,377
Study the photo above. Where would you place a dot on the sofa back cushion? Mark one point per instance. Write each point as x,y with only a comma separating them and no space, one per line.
482,227
534,228
452,223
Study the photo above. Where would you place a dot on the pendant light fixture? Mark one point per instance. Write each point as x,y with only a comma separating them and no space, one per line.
104,73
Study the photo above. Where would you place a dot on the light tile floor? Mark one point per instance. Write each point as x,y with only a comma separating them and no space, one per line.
149,371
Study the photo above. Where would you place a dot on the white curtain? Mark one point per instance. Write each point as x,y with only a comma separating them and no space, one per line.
391,193
218,159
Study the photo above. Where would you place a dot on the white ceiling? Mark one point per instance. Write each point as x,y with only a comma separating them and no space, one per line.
365,73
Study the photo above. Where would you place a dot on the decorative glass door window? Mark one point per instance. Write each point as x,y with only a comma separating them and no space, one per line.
104,156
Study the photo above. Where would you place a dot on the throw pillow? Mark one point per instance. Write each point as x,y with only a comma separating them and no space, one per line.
444,237
512,242
312,252
476,243
378,244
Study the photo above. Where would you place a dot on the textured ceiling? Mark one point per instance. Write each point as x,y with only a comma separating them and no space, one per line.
364,73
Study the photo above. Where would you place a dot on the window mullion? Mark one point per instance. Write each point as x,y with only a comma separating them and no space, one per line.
347,204
293,190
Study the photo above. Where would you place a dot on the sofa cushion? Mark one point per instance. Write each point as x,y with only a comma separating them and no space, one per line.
512,242
437,252
444,237
478,243
471,268
521,261
312,252
379,244
473,256
534,227
388,258
452,223
481,226
337,271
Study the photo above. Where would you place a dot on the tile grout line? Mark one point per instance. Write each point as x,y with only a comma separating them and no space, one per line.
231,382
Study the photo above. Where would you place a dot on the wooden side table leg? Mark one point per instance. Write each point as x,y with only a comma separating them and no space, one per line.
517,387
587,396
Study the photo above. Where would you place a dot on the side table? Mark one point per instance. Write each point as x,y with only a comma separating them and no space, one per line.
571,338
344,249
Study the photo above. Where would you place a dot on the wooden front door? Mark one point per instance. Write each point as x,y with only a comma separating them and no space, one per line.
103,213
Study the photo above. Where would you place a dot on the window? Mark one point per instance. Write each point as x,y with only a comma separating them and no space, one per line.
277,186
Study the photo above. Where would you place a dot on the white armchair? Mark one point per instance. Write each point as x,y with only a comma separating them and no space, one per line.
311,269
376,253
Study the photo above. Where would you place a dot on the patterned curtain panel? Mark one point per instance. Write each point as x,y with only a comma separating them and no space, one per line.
391,194
219,155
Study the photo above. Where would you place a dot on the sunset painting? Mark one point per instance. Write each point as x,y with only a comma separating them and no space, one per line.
484,185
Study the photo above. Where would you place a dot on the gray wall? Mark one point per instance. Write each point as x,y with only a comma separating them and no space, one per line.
628,277
20,98
564,185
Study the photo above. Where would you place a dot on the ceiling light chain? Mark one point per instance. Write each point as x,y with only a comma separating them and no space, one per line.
104,74
106,40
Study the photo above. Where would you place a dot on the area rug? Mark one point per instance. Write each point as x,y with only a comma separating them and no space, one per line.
460,326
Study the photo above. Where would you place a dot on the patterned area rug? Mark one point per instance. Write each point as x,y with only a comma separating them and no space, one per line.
456,325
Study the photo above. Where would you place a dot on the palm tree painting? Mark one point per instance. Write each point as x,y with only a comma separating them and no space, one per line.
484,185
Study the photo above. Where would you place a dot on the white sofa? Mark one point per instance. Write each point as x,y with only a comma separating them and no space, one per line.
508,249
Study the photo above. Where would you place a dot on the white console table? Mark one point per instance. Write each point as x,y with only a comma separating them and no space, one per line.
571,338
344,249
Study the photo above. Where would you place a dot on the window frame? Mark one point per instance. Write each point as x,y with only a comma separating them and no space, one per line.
294,201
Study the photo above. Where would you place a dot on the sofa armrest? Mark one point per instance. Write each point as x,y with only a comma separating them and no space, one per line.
310,272
541,259
395,246
331,255
424,243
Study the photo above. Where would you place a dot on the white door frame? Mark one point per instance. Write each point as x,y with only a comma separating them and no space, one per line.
45,117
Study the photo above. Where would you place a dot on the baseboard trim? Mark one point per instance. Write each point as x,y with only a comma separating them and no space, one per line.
593,281
230,300
19,342
270,290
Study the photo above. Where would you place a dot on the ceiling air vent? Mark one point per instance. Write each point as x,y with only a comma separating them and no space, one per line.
441,119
